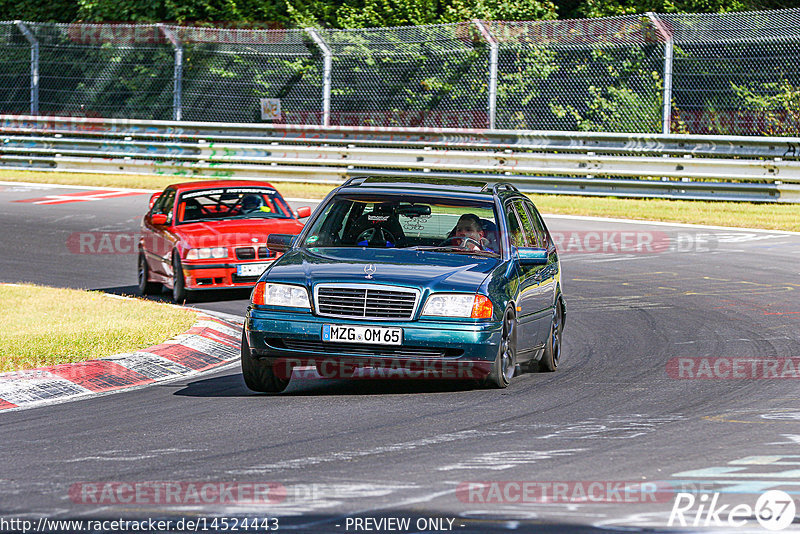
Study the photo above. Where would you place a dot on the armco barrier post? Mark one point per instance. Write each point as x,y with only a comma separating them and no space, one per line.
327,68
34,65
493,57
177,72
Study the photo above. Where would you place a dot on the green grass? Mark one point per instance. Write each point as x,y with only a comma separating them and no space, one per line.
737,214
45,326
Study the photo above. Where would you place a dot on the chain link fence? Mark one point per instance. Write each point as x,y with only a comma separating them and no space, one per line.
736,73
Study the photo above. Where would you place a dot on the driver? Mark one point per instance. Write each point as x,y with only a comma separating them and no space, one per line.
469,228
252,203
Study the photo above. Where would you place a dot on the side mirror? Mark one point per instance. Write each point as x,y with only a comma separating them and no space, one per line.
158,219
280,242
532,256
153,199
303,212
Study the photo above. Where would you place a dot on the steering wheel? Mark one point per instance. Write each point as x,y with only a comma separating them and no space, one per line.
377,236
467,243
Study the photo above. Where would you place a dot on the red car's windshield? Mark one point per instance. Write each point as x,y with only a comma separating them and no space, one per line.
231,203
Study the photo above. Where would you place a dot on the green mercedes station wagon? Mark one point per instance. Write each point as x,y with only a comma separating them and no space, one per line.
413,278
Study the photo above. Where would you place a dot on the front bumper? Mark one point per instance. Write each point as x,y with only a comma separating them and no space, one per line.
218,275
295,338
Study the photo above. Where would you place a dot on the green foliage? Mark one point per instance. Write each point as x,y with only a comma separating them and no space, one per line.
609,8
39,10
629,101
459,10
777,105
614,109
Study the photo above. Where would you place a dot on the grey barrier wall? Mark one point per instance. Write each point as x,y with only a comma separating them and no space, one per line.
729,74
743,168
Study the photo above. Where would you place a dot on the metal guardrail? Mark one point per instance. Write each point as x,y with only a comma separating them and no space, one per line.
757,169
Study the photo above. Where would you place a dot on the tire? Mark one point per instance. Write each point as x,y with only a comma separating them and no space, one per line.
179,292
259,375
552,351
146,287
505,362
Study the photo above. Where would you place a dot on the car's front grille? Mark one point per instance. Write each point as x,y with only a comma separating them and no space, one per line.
245,253
366,301
363,349
264,253
236,279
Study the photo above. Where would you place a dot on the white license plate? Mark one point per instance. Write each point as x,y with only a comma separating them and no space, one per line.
377,335
251,269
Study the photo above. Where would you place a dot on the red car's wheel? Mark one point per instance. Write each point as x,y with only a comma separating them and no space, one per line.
146,287
179,292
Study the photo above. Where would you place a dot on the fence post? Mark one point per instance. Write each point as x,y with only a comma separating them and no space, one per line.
177,72
668,54
34,65
493,54
327,68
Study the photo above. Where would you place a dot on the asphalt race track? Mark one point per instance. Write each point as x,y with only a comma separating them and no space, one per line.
619,409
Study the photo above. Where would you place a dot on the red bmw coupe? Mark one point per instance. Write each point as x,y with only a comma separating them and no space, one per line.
211,235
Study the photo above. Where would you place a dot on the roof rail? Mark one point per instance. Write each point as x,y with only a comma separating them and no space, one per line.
355,180
497,187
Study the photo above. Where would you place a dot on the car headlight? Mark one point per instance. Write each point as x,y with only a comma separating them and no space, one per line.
207,253
267,294
458,305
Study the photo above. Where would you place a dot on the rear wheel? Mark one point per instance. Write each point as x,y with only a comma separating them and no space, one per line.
552,351
259,375
146,287
504,364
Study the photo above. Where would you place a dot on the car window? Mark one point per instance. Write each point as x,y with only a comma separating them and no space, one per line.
533,233
164,204
541,229
395,221
232,203
516,236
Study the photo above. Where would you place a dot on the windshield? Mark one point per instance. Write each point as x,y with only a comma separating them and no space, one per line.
417,222
232,203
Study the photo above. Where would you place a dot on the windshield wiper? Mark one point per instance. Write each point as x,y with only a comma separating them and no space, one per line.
455,250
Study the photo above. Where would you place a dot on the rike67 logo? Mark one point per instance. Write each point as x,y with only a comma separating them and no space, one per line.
774,510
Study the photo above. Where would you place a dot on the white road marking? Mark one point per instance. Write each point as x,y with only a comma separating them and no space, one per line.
346,456
502,460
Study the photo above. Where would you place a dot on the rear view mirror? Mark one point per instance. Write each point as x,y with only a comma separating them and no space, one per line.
532,256
159,219
280,242
413,210
303,212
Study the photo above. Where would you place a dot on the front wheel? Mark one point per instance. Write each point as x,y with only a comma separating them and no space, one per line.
552,351
179,292
503,368
259,375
